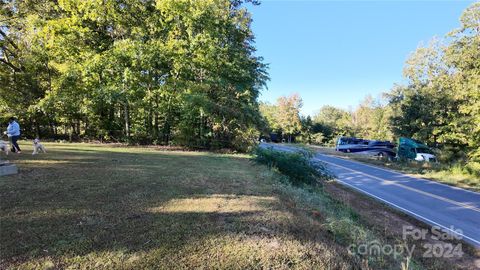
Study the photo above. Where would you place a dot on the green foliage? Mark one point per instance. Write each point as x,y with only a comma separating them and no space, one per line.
441,102
173,71
289,114
369,120
318,138
284,116
473,168
269,114
297,166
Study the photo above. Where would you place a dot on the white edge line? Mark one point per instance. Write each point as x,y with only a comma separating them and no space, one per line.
425,180
399,173
403,209
402,185
408,211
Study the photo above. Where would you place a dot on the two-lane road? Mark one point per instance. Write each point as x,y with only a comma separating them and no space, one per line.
453,209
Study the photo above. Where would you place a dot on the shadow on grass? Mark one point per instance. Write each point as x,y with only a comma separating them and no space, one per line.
74,202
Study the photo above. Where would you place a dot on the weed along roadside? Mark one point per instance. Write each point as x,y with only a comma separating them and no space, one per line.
374,233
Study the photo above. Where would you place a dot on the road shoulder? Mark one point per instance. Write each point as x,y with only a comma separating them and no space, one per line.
390,222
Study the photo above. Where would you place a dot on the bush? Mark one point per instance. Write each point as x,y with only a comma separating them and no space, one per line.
318,138
450,154
473,168
245,140
297,166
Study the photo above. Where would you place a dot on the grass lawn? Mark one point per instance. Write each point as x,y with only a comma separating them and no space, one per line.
85,206
452,176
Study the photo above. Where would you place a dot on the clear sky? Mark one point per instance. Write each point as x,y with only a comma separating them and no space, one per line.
337,52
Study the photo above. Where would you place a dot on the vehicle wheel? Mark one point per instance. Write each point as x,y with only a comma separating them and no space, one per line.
381,155
348,150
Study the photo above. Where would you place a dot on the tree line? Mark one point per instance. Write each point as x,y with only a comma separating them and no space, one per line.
166,72
371,119
439,104
185,72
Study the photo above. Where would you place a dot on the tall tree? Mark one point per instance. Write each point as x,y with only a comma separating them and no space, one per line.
173,71
463,56
440,103
288,115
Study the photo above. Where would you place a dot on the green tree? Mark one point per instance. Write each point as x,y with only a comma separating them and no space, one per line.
269,113
440,103
288,115
307,129
371,119
332,122
173,71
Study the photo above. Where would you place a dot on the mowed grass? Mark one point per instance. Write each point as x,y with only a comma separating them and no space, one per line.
94,206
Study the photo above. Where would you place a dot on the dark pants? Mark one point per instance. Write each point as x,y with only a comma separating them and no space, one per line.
14,140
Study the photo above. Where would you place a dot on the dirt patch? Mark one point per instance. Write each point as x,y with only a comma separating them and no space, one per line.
390,222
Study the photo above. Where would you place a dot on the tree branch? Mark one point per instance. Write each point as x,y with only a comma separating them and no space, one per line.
10,65
8,39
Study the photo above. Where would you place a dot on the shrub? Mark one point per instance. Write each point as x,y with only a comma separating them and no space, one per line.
245,140
297,166
449,154
318,138
473,168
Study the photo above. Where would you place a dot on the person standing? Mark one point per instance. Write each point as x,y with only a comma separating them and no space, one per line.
13,133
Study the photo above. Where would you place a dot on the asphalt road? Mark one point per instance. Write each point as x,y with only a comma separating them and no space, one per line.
453,209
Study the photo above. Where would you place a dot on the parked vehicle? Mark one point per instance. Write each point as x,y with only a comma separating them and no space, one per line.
408,149
366,147
414,150
350,144
275,137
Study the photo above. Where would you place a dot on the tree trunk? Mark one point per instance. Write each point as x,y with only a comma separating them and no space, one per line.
149,120
86,126
37,127
126,116
156,128
155,125
78,126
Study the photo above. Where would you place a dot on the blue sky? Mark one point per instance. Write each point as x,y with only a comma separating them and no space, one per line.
337,52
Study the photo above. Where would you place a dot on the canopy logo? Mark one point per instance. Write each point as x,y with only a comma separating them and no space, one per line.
433,249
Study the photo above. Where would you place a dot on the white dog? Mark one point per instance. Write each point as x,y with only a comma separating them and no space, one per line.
4,147
37,147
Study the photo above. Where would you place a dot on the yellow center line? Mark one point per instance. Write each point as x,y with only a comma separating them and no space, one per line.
409,188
